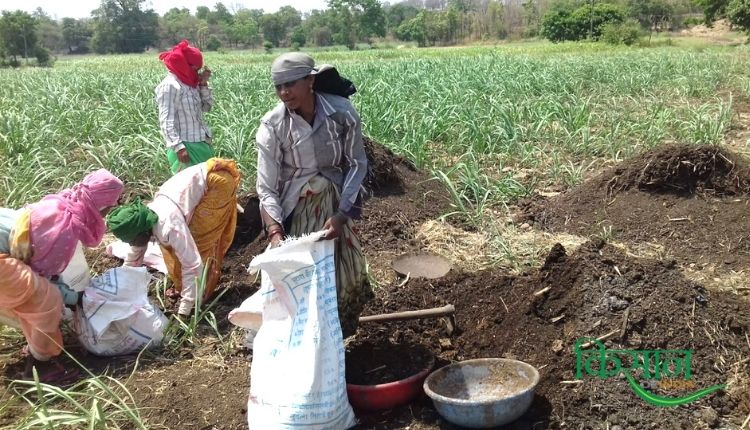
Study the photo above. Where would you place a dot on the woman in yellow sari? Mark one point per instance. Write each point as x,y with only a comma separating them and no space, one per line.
193,216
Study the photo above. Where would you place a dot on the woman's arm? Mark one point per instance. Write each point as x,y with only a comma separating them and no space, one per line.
207,98
356,160
181,241
135,256
269,166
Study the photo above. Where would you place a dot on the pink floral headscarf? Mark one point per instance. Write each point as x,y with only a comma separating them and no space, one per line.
60,220
101,187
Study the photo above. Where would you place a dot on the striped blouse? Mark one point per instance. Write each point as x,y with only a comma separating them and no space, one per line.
291,152
181,109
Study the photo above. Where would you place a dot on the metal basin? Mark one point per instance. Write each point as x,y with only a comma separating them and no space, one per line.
482,393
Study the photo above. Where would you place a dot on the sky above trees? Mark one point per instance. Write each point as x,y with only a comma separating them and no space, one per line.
58,9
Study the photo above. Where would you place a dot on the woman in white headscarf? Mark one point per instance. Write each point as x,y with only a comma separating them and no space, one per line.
311,164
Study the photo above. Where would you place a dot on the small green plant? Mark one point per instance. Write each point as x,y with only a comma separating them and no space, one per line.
43,57
606,233
693,21
179,331
213,44
371,278
622,33
96,402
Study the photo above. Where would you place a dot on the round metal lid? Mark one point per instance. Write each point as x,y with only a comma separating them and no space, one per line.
421,266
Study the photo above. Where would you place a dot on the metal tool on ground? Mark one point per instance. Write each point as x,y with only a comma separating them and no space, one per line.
446,311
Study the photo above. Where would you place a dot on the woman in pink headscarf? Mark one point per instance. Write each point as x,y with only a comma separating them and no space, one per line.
183,96
36,244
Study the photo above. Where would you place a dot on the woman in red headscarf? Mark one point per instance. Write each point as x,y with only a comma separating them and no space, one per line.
183,96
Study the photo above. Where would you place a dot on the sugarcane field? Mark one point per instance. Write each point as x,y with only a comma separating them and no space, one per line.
423,215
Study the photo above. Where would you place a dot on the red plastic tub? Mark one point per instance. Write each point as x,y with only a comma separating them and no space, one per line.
370,398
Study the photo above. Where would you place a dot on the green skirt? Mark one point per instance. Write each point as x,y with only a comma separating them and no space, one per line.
198,152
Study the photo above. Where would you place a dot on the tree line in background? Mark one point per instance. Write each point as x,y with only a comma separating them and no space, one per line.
124,26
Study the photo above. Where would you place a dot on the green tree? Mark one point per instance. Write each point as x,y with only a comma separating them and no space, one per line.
322,36
413,30
556,26
454,20
48,31
221,14
213,43
371,19
317,29
532,17
651,14
495,24
713,9
245,28
273,29
76,35
586,21
121,26
437,29
178,24
398,13
738,12
202,12
18,34
356,20
290,18
298,37
626,33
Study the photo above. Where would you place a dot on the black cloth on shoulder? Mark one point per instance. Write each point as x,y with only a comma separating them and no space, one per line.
329,81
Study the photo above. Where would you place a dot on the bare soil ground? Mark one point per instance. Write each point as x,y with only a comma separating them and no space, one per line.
691,201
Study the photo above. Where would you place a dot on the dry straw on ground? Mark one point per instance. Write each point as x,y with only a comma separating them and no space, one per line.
496,246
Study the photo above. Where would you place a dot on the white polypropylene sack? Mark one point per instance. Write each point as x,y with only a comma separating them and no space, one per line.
297,378
77,275
117,317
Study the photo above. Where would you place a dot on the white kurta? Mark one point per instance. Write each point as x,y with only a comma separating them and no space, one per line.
174,204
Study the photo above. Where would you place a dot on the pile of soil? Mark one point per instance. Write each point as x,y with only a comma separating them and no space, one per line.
692,200
372,362
383,170
593,291
682,170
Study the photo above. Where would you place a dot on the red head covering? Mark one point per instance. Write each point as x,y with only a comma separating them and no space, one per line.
179,60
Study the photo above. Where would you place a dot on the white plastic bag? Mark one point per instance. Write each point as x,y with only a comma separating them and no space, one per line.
117,317
77,275
297,378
